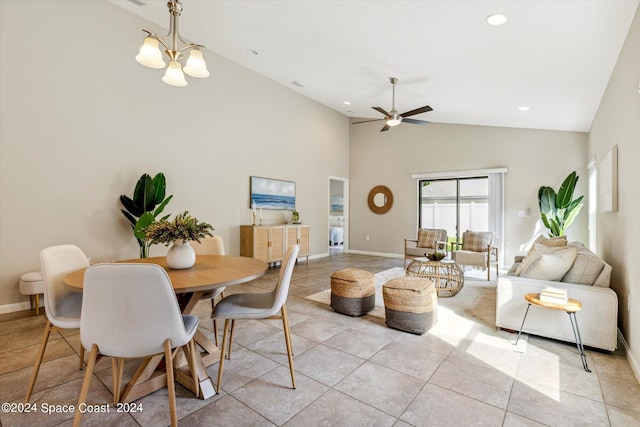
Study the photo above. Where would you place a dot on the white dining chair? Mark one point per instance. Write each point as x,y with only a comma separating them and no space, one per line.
258,306
211,246
61,305
131,311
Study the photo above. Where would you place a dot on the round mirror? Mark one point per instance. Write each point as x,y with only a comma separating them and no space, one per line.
380,199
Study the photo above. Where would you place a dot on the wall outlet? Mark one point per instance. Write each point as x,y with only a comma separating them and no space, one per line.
366,237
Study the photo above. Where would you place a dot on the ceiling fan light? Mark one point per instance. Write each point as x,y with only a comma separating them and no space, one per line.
196,67
149,54
394,121
174,75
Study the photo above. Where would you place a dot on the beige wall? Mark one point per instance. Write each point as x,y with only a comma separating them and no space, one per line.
533,157
81,121
618,233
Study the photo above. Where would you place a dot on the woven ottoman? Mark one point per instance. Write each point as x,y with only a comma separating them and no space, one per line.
353,291
410,304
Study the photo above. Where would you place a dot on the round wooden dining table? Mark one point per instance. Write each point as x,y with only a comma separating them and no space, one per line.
209,272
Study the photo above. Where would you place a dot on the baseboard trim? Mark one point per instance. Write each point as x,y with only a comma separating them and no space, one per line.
380,254
633,360
18,306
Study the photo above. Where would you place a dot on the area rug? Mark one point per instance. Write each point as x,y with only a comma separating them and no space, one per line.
477,298
475,304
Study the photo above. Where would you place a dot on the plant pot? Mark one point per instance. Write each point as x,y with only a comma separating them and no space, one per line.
180,256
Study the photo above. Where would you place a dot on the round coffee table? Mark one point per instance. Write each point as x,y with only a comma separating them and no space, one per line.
445,274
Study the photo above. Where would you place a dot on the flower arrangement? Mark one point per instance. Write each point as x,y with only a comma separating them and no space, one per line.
435,256
183,227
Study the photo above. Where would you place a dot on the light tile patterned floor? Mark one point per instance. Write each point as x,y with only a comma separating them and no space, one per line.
349,371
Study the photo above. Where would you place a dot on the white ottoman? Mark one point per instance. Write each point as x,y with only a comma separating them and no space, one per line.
32,284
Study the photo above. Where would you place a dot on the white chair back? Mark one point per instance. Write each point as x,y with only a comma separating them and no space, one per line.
129,310
281,290
60,303
209,246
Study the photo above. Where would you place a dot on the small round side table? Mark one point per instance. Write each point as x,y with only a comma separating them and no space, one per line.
445,274
570,307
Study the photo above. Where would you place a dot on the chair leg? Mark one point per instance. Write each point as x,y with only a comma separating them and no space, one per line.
36,367
190,352
233,326
85,384
222,351
117,368
36,297
287,338
171,386
215,332
81,357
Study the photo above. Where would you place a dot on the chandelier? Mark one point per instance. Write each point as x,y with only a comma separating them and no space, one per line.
150,55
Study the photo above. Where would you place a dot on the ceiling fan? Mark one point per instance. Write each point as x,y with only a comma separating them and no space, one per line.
392,118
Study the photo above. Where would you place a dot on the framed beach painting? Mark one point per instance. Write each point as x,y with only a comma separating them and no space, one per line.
269,193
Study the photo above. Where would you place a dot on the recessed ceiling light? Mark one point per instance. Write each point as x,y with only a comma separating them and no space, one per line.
524,108
252,52
347,102
496,19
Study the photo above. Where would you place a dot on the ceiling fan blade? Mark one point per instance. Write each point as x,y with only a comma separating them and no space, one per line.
367,121
420,110
380,110
385,128
415,122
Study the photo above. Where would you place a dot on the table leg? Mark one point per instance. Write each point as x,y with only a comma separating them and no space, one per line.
576,334
521,326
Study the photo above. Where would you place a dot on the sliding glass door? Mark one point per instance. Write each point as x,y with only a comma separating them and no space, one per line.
454,204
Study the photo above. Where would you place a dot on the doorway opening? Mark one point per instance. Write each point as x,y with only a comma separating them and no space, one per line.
338,214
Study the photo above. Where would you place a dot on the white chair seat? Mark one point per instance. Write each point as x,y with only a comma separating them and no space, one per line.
246,306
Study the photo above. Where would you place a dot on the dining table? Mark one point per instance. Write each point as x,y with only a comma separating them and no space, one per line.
209,272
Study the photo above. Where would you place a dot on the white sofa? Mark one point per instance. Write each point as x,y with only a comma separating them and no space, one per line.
597,320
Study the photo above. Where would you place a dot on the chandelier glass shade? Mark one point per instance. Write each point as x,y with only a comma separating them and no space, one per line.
151,56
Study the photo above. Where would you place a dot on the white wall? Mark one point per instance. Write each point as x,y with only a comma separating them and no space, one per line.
618,233
533,157
81,121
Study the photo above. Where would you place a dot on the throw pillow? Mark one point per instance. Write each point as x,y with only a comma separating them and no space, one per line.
428,238
552,242
476,241
551,266
585,268
536,250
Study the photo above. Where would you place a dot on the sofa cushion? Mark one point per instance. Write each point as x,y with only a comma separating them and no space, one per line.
552,242
428,238
604,278
551,265
585,269
536,250
476,241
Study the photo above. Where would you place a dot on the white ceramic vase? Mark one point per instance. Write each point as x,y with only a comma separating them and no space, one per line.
181,255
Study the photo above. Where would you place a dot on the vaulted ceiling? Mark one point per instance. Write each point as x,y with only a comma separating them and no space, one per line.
554,57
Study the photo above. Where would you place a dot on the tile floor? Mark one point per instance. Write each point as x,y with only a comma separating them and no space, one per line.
349,371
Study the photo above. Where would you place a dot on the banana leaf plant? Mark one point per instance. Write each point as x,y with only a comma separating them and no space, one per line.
559,210
142,210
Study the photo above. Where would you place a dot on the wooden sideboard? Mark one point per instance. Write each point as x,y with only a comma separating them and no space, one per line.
269,243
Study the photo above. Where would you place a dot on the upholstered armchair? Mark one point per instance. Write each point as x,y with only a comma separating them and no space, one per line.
429,240
479,249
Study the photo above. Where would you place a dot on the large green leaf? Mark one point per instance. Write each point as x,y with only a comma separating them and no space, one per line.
571,215
130,206
160,208
555,230
547,201
130,217
143,222
144,196
565,193
160,184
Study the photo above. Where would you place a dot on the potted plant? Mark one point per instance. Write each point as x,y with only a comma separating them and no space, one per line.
179,232
147,203
559,210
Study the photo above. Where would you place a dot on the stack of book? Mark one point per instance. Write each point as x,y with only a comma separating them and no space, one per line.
555,295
